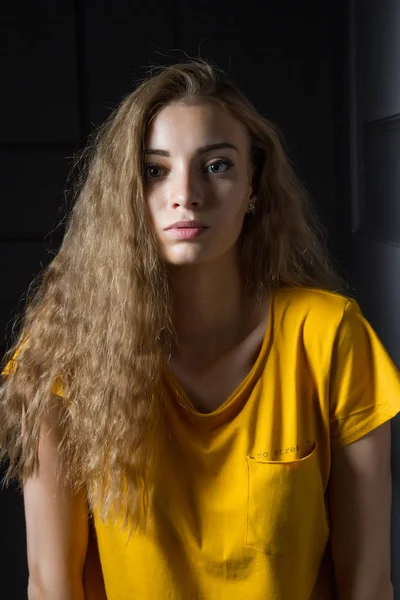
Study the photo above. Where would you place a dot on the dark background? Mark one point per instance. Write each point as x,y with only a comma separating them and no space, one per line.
66,64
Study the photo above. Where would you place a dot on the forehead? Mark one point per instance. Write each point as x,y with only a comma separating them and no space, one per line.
180,124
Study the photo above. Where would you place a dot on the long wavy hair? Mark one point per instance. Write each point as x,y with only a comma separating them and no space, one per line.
98,317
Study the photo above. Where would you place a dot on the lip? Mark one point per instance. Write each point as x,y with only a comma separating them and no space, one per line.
186,225
186,233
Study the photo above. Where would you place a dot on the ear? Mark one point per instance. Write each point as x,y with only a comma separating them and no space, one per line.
253,193
252,183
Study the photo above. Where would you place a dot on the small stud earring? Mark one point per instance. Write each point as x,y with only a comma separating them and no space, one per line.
252,209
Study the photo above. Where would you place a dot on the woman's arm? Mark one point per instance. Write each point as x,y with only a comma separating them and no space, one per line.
360,504
56,526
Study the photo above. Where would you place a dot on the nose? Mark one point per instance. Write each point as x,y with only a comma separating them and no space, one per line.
185,190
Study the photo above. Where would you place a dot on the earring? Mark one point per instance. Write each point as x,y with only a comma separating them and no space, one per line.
252,209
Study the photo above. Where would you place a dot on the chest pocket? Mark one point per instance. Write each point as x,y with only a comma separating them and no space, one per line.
286,506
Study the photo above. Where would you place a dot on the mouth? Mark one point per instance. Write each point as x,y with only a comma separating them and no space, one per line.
185,230
187,225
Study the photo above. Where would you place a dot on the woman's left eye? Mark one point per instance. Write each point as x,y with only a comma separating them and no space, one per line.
218,166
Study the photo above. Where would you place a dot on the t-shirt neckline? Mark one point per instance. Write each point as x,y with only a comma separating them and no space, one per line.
185,401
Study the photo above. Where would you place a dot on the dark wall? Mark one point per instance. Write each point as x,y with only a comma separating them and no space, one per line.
67,64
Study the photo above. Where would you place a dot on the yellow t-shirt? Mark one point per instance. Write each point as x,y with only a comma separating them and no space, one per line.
240,504
11,366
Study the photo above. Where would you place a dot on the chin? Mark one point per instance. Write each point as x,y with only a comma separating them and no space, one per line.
185,260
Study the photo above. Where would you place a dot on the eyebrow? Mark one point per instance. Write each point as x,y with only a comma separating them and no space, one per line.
201,150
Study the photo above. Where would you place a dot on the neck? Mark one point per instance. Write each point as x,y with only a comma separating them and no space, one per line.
210,308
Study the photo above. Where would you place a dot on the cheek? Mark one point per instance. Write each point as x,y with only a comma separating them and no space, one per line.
228,190
235,200
154,205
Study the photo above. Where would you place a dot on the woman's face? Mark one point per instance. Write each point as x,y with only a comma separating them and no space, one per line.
197,180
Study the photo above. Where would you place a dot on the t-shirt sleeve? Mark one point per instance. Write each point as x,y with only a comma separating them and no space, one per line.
364,384
12,364
10,367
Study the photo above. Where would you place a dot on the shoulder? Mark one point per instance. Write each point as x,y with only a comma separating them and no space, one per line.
316,322
320,309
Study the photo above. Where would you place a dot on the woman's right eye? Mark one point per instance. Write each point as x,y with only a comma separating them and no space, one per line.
152,171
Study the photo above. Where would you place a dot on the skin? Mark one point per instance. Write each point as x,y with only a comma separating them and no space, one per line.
184,180
211,313
56,522
360,505
63,558
198,166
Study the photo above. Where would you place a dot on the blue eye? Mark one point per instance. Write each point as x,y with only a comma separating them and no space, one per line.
218,166
152,171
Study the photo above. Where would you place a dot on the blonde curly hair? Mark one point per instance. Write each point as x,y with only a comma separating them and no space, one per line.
97,323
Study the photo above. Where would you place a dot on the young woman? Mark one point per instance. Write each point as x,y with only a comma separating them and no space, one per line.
190,377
